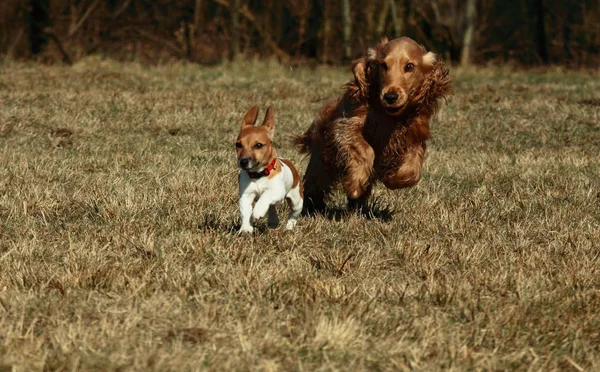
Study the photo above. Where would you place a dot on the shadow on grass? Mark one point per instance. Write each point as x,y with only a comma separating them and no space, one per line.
211,223
590,102
377,211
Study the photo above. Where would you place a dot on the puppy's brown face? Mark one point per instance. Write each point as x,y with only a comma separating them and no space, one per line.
254,145
399,68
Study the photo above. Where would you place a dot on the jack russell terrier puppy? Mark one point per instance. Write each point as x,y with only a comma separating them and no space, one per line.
265,178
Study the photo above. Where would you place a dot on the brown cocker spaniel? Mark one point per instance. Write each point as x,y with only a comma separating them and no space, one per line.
377,131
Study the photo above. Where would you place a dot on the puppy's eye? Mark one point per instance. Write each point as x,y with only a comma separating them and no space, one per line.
384,66
238,145
258,146
409,67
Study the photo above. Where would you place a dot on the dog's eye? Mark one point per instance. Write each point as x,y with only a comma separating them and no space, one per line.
384,66
409,67
258,146
238,145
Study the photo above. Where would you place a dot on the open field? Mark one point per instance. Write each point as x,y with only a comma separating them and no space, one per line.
118,199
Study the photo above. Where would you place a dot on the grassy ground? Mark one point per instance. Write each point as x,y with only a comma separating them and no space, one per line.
118,198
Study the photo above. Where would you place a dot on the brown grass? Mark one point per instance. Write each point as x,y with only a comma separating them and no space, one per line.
118,198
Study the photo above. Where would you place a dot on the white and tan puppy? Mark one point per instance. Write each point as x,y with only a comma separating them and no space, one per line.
265,178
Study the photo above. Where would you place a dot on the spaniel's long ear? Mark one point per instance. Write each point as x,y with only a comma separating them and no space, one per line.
250,117
437,84
373,53
360,69
269,122
429,61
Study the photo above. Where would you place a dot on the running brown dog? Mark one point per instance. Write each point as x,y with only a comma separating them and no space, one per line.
377,131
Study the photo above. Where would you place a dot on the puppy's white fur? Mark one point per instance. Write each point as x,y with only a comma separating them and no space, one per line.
268,192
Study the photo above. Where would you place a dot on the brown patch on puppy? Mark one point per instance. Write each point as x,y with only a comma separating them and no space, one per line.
295,174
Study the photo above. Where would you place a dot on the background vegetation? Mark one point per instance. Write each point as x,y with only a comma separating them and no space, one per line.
530,32
118,192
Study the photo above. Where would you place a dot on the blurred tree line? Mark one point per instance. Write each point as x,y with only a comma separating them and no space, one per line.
327,31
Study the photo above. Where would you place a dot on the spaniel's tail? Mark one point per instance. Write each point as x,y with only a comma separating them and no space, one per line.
302,142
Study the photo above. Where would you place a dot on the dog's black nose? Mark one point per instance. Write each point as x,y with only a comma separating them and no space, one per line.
390,97
244,163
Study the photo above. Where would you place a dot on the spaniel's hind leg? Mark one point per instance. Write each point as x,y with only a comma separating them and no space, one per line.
318,180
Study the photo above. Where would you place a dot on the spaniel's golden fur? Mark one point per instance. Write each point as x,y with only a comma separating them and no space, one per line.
377,131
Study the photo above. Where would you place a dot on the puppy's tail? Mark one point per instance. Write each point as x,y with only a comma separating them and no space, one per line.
302,142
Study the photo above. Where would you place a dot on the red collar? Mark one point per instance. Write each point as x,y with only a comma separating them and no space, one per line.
264,172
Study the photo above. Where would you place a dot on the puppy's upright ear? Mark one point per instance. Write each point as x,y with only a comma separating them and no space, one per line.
250,117
269,122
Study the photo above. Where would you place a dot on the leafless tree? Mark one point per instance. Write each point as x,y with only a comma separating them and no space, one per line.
466,31
347,28
539,14
467,45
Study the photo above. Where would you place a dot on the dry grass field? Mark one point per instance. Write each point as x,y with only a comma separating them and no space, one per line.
118,207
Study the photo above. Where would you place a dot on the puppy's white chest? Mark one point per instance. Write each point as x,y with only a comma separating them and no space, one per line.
262,185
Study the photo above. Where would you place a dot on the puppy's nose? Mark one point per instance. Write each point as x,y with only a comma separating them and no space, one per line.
244,163
390,97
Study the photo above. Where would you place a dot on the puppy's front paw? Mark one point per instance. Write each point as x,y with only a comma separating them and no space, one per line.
259,211
290,225
246,230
